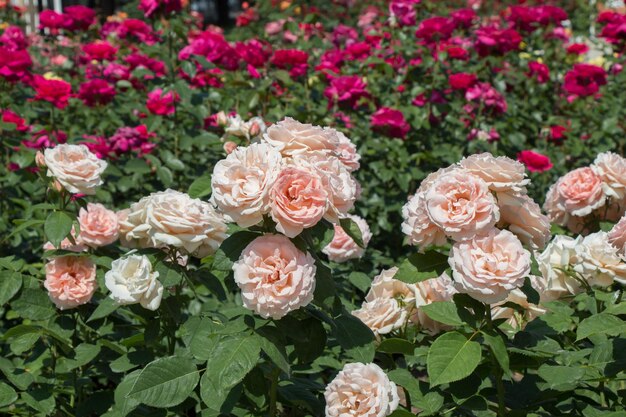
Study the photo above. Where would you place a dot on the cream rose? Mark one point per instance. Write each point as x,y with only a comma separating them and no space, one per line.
342,248
488,267
558,256
70,281
274,276
599,261
98,226
617,236
75,168
241,183
611,168
522,216
361,390
291,137
418,227
382,315
385,285
298,200
514,318
131,281
347,153
173,219
500,173
462,205
430,291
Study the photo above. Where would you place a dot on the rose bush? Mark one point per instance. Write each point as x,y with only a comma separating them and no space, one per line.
334,208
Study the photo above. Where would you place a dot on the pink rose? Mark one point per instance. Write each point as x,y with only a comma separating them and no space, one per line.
418,227
98,226
342,248
70,281
291,137
534,161
347,153
274,276
577,193
522,216
390,122
489,267
612,170
162,104
298,200
461,205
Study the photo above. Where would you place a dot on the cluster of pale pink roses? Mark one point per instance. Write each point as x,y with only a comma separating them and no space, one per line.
168,220
295,176
590,194
481,205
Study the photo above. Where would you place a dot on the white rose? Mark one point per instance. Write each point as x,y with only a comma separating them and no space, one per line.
241,182
599,261
361,390
612,170
75,168
173,219
132,281
560,254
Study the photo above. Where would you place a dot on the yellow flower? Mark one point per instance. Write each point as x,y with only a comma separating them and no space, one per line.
4,25
524,55
52,76
599,61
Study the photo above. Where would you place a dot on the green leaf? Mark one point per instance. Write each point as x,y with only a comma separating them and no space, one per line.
10,284
58,225
602,323
274,350
452,357
531,293
443,312
355,337
106,307
232,359
165,382
7,395
401,413
200,336
231,249
360,280
352,229
33,304
498,348
396,345
165,175
561,378
422,266
83,354
200,187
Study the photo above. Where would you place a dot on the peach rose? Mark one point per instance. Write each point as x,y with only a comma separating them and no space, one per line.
599,261
522,216
241,183
98,226
173,219
274,276
291,137
558,256
342,248
70,281
418,227
577,193
430,291
617,236
382,315
611,168
347,153
75,168
488,267
462,205
298,200
500,173
361,390
336,179
385,285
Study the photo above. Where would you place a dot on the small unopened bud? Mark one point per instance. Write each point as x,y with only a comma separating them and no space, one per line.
57,186
229,147
255,129
222,119
40,160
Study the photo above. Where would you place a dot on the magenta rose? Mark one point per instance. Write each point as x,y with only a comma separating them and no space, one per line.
162,104
390,122
534,161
